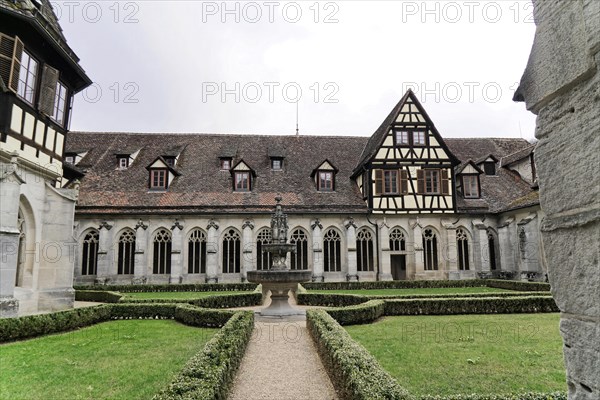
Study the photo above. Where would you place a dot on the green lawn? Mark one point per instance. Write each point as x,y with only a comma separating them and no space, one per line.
398,292
463,354
130,359
176,295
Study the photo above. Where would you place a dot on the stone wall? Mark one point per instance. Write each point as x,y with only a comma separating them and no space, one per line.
561,84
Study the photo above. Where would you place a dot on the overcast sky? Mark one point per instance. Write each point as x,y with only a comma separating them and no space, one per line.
238,67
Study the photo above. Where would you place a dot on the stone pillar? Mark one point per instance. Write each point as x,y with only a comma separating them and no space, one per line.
248,246
561,85
10,190
351,274
385,268
480,231
106,266
506,241
176,253
417,242
451,253
212,247
317,251
140,270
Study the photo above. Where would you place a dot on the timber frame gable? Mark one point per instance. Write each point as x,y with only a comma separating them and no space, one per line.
406,167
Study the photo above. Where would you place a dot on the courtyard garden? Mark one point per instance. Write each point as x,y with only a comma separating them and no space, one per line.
376,340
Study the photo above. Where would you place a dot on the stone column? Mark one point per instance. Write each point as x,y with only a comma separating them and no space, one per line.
10,190
317,251
351,274
248,256
106,264
507,248
385,268
480,231
451,253
417,242
140,270
212,247
561,85
176,253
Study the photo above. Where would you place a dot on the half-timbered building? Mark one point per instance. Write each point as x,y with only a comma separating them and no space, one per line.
403,203
39,74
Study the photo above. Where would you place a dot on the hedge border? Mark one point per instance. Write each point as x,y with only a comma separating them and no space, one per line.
366,285
364,313
32,326
210,373
99,296
172,287
354,372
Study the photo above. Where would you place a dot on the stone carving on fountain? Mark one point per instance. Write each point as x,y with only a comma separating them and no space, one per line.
279,279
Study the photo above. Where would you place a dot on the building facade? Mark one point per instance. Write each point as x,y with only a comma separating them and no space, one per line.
39,74
402,204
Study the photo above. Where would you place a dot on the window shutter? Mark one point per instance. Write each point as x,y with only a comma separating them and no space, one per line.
420,181
378,181
403,181
7,47
15,67
48,92
445,182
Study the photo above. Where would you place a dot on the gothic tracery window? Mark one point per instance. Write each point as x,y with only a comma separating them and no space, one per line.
364,250
126,256
263,261
299,259
231,252
197,252
332,251
397,240
89,257
162,252
430,254
462,245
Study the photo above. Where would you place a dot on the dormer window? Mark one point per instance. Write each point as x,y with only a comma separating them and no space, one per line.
242,181
470,184
158,179
276,164
70,159
169,160
123,162
489,167
225,164
325,181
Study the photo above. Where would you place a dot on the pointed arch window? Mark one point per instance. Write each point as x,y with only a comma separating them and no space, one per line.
263,258
126,256
430,251
462,245
397,240
332,251
492,246
231,252
364,250
299,259
197,252
162,252
89,256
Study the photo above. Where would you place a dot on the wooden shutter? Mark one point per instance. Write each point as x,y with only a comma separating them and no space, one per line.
445,182
378,181
403,184
7,48
420,181
48,92
15,67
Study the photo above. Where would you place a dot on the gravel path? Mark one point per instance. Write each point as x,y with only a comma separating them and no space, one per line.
281,362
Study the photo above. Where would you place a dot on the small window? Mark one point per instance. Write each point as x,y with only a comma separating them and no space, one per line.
170,161
123,162
402,138
60,99
70,159
489,167
27,77
276,164
242,181
225,164
325,183
470,186
158,179
419,138
432,181
390,181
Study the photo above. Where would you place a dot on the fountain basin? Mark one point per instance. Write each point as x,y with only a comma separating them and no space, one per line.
279,282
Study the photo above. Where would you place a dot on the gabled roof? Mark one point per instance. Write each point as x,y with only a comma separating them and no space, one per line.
484,158
250,169
162,159
314,171
463,165
377,139
517,155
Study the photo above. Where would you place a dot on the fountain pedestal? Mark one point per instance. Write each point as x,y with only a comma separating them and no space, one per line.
279,279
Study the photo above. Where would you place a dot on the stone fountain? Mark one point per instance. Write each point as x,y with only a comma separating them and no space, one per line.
279,278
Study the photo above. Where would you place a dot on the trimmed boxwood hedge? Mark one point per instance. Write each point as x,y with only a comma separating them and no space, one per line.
517,396
210,373
214,301
172,287
354,372
62,321
100,296
490,305
359,314
518,285
394,284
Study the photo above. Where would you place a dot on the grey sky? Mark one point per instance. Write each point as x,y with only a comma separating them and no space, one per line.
162,66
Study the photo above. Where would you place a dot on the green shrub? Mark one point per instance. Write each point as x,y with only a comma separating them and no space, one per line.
210,373
194,316
329,300
359,314
172,287
230,300
518,285
489,305
146,311
355,373
100,296
394,284
455,295
519,396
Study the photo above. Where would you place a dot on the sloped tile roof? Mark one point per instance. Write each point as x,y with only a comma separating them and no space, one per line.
516,156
